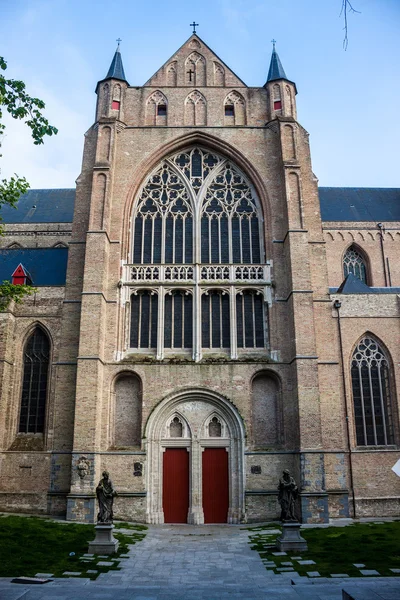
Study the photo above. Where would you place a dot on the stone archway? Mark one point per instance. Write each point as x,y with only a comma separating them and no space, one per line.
196,409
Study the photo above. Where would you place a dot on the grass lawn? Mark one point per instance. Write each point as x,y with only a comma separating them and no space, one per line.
30,545
336,549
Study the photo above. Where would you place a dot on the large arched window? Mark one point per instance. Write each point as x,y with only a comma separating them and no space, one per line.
354,262
197,223
370,376
34,384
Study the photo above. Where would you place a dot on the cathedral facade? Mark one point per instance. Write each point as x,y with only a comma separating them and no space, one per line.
204,317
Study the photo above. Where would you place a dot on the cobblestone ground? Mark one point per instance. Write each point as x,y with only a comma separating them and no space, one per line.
177,562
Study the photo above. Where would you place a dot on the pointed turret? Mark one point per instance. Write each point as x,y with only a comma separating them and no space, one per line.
281,91
276,71
116,70
110,89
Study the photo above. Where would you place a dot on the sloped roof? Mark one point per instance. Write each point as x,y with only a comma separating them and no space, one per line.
116,70
41,206
359,204
46,266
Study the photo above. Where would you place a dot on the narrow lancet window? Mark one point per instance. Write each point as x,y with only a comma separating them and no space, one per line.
34,385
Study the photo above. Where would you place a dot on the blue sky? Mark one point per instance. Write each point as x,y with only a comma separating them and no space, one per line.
347,101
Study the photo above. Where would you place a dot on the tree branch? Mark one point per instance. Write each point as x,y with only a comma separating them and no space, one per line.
347,8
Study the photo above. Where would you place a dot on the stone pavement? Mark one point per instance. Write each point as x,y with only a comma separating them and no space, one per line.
211,562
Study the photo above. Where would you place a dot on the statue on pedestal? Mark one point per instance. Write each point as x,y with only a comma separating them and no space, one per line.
105,495
287,497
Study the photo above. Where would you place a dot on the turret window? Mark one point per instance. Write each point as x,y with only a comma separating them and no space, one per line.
115,105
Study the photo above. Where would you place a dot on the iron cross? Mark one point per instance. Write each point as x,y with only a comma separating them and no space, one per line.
119,41
273,42
194,25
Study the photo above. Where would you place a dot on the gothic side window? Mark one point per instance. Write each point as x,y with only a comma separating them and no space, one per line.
353,262
144,311
370,377
34,384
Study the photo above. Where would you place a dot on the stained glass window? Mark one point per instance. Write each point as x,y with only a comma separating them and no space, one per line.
354,263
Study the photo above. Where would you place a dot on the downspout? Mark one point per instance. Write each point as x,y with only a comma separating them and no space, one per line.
337,304
381,228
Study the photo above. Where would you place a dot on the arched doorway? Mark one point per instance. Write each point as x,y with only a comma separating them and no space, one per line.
195,451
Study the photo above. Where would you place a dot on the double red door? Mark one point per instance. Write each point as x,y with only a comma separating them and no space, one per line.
176,485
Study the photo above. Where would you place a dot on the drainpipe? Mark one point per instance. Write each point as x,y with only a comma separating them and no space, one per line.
381,228
337,304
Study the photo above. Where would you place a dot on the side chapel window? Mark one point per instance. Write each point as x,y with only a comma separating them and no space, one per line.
34,385
370,377
354,263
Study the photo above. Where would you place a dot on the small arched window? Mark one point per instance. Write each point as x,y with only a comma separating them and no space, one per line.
370,377
34,385
354,262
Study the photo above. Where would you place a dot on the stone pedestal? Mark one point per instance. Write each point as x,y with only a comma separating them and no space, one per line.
291,539
104,542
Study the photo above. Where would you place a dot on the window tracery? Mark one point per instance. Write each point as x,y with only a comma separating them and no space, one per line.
154,116
195,109
370,376
197,222
237,116
354,263
195,70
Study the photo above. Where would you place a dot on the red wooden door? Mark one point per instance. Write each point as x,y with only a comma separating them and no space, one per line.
176,485
215,485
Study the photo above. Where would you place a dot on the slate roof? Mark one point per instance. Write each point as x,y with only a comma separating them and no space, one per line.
359,204
337,204
41,206
46,266
276,70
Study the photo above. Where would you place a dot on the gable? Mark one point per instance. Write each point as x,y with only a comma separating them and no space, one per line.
207,69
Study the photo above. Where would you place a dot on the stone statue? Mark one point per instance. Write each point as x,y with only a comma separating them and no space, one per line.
287,496
105,495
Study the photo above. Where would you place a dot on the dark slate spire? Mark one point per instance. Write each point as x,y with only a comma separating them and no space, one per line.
276,70
116,70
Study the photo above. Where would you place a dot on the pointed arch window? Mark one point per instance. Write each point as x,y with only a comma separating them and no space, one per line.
197,227
370,377
354,262
35,382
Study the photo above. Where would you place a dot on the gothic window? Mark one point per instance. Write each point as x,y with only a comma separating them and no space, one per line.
34,385
176,428
250,319
195,109
156,109
214,428
235,109
215,320
354,263
370,376
144,313
178,329
197,207
195,70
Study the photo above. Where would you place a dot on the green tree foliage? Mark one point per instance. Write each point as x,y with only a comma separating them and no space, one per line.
17,102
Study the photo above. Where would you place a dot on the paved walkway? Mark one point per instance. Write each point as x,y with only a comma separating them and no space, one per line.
181,562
